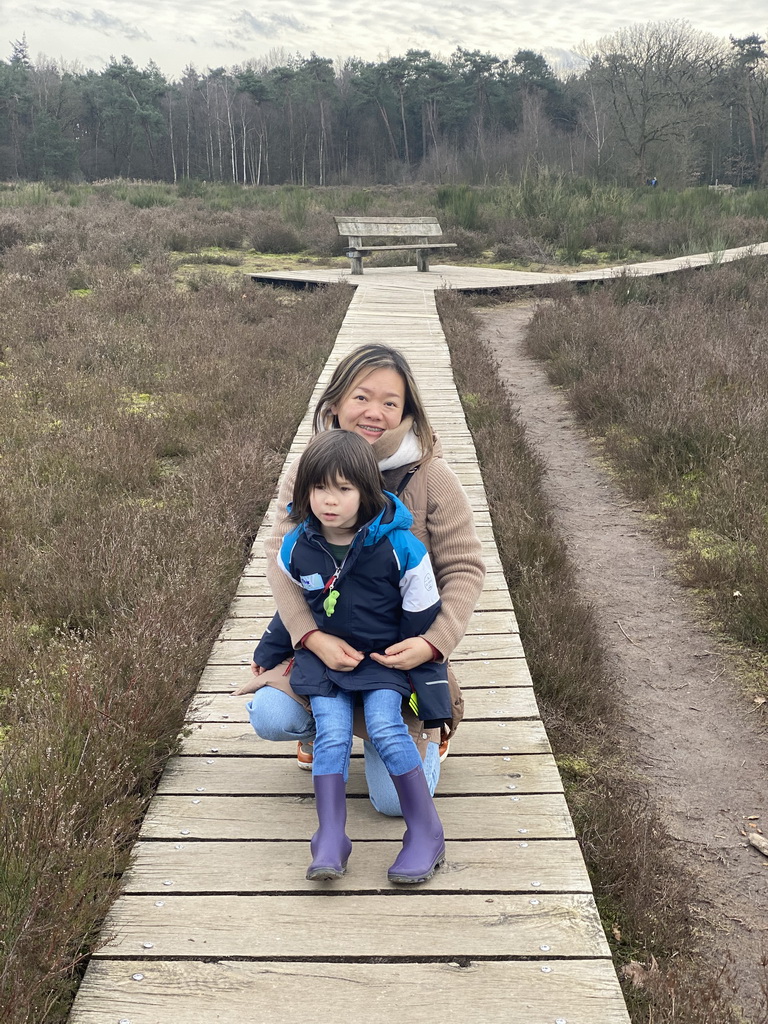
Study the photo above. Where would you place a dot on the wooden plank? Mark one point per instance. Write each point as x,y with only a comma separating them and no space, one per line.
396,925
499,645
254,605
263,776
543,865
180,818
371,226
483,992
231,740
480,622
470,673
493,703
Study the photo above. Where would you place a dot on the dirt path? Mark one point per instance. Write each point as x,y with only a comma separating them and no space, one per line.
703,754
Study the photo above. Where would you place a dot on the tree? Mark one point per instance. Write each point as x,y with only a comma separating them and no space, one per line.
750,60
658,78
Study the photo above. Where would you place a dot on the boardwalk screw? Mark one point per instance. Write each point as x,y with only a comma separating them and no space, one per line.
546,970
545,948
160,903
535,903
535,883
137,977
148,945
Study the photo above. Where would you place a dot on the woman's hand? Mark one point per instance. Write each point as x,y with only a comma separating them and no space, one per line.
251,686
333,651
406,654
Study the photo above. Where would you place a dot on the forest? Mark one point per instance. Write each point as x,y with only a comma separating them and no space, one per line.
659,100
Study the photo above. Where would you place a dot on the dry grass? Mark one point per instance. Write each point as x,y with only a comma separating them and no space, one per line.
635,878
143,427
673,375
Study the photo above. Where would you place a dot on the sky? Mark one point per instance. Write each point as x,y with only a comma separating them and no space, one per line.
225,33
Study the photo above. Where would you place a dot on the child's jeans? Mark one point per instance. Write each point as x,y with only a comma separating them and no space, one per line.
384,721
276,716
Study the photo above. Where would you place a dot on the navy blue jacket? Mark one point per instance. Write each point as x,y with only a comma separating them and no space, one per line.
383,592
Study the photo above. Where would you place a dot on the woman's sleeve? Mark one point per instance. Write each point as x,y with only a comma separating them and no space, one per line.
456,556
289,598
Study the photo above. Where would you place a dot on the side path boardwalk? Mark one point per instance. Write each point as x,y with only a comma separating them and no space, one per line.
217,922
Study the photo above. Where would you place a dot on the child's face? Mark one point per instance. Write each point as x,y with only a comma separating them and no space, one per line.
336,505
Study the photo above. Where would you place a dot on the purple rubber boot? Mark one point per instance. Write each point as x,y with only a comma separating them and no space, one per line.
330,845
423,843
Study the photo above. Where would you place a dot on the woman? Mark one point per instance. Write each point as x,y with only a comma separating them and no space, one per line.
372,393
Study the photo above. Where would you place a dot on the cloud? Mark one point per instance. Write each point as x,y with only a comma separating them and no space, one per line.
270,27
97,20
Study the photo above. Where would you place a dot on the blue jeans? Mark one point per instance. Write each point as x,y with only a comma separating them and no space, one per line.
276,716
383,721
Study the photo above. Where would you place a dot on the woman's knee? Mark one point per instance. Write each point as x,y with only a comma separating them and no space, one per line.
276,716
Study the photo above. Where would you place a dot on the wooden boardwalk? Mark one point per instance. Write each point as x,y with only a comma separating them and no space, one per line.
217,921
472,279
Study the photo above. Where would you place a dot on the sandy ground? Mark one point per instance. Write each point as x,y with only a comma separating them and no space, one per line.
695,736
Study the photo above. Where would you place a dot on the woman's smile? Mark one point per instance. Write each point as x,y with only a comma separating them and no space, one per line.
373,405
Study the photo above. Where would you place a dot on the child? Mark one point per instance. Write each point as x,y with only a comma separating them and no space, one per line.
366,579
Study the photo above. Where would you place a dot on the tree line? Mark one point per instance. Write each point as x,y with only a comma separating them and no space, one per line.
654,100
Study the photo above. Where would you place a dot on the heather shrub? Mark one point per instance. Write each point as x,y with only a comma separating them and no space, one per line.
271,234
142,427
469,244
674,376
11,232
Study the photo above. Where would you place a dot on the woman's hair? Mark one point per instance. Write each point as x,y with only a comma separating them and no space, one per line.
358,364
335,455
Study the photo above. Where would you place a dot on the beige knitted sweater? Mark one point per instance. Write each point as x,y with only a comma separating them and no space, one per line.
442,521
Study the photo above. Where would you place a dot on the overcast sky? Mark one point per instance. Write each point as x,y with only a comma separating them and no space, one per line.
174,33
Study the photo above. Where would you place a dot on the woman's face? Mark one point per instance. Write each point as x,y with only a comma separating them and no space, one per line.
375,403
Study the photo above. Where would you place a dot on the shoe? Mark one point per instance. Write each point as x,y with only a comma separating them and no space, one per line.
443,749
424,842
330,845
304,755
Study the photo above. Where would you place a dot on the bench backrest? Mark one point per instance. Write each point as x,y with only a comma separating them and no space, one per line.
399,226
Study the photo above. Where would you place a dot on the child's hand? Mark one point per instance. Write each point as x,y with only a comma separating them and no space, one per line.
406,654
251,686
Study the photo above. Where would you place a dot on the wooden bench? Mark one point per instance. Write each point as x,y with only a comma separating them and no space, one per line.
420,228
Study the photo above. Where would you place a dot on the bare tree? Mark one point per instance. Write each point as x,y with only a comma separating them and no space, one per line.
658,78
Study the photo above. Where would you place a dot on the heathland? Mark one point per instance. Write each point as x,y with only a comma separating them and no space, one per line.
149,393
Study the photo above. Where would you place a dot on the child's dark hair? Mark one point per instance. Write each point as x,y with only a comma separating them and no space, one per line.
334,455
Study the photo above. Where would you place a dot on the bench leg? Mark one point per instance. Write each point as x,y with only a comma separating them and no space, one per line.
422,260
357,265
